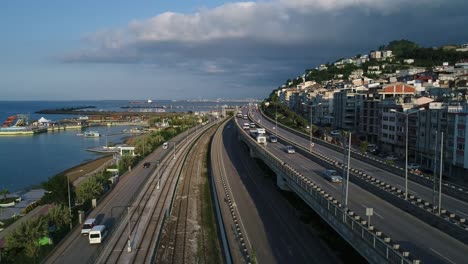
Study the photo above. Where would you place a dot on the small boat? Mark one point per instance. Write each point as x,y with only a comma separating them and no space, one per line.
91,134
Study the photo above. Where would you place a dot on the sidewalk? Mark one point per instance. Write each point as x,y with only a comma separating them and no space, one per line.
26,199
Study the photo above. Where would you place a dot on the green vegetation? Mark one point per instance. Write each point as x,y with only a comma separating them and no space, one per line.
25,244
285,115
330,73
424,57
209,241
89,189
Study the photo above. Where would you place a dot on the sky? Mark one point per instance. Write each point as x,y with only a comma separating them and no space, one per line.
179,49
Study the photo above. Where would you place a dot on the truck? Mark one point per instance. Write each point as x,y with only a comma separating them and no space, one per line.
239,114
258,136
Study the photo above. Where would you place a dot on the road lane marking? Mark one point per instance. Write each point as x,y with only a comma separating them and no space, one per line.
409,191
329,183
460,212
363,205
442,256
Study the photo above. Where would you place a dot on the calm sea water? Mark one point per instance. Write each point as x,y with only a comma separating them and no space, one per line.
26,161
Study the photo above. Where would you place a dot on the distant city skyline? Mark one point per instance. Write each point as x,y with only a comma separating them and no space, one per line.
111,50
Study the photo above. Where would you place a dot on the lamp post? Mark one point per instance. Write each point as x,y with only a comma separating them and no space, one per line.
406,146
310,133
276,119
69,196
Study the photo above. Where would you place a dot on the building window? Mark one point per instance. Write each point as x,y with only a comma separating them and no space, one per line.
460,146
461,133
392,128
385,127
385,118
392,119
385,135
461,119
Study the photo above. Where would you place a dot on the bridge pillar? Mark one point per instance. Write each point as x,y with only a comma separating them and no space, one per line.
281,182
252,153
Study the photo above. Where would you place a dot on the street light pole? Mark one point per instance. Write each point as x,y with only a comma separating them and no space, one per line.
406,145
276,118
69,202
406,159
440,169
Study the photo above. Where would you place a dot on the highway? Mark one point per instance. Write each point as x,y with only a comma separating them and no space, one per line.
425,242
272,229
448,202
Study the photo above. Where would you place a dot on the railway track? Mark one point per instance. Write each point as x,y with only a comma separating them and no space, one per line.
184,239
148,213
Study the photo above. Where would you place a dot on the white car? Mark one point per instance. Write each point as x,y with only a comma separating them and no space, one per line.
290,149
88,225
335,133
413,166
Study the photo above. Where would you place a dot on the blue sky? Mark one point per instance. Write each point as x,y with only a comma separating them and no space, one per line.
71,50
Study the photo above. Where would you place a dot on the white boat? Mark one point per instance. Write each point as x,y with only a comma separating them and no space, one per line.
91,134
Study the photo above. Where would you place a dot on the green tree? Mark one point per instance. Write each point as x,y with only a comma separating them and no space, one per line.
57,190
89,189
25,238
364,146
59,216
4,192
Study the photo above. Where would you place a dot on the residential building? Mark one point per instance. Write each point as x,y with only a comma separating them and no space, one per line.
376,55
457,140
369,117
346,109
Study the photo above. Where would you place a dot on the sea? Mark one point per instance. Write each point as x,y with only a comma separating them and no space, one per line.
27,161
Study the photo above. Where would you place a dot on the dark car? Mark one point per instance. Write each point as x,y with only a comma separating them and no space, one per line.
146,165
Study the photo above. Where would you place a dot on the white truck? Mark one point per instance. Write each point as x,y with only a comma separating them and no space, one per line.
239,114
259,135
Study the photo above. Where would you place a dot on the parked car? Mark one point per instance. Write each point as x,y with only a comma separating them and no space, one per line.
335,133
413,166
391,157
88,225
273,139
146,165
290,149
332,176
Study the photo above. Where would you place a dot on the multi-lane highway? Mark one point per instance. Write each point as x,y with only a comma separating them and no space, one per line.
272,230
448,202
427,243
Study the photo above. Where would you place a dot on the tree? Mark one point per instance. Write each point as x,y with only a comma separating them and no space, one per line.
25,238
364,146
4,192
57,190
59,216
89,189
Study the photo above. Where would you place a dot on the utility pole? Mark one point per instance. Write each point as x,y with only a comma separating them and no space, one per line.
434,174
440,169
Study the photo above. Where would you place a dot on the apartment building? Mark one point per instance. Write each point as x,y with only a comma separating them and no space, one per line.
457,140
346,109
370,118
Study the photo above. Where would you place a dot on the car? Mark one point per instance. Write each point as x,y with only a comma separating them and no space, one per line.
146,165
88,225
273,139
252,125
391,157
335,133
413,166
332,176
290,149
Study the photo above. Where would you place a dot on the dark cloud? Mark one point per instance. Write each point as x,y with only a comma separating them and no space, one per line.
247,44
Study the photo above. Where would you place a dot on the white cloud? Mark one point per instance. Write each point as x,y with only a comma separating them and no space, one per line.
278,36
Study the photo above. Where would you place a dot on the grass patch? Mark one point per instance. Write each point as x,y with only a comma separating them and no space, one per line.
210,249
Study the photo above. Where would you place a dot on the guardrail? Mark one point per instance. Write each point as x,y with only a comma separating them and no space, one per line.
457,191
371,243
447,221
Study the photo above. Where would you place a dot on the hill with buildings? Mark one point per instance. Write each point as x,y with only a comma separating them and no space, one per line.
377,96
